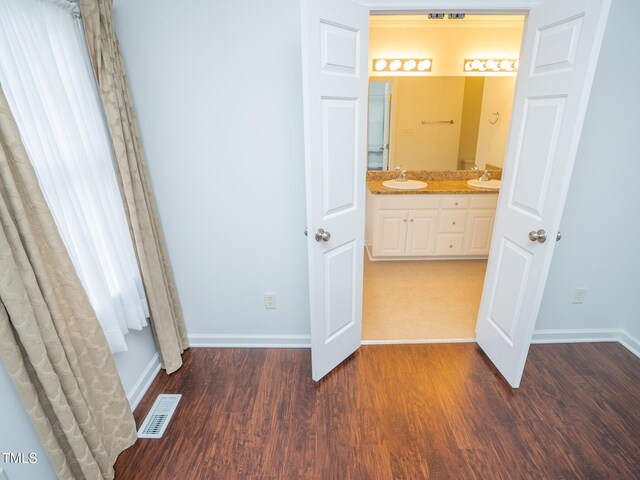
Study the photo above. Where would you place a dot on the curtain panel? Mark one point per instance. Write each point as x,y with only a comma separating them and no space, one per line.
166,315
51,342
46,75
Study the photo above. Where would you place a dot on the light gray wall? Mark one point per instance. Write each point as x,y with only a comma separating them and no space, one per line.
18,435
218,121
601,223
217,88
132,363
16,431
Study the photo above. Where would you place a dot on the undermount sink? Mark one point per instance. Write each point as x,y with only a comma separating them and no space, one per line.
488,184
404,185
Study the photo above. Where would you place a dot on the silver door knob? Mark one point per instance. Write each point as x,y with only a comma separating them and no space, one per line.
322,235
539,236
559,236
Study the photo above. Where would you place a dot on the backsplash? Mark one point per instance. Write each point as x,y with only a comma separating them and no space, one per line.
433,175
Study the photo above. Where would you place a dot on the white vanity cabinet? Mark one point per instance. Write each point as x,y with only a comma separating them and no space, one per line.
431,225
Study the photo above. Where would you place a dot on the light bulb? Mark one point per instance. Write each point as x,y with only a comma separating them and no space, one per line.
424,65
409,65
476,64
506,65
468,67
380,64
491,64
395,65
515,65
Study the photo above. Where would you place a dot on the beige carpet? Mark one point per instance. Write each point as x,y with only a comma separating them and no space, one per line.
423,300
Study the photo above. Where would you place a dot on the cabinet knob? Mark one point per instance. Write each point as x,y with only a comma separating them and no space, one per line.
404,220
453,223
456,204
411,220
450,245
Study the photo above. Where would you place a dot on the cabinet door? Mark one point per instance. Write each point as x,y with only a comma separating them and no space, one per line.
479,229
421,232
391,233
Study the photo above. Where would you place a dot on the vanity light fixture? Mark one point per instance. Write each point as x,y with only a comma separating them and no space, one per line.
402,65
491,65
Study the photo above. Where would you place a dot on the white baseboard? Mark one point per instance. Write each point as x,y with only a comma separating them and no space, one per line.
577,335
249,341
618,335
630,342
135,394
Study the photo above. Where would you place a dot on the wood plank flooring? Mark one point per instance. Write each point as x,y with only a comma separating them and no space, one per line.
396,412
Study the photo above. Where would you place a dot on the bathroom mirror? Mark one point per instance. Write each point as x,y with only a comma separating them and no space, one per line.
438,122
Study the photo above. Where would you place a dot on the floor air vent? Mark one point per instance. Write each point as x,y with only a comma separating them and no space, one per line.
156,422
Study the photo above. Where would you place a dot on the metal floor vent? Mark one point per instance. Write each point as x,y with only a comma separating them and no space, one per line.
156,422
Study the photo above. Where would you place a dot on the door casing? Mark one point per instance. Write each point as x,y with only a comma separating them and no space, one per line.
505,7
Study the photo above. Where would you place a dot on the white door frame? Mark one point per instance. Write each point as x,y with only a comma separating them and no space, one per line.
495,7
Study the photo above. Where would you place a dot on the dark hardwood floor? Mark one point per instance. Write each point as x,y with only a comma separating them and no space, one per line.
396,412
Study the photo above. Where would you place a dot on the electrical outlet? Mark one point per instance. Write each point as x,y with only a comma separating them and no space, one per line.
578,296
269,300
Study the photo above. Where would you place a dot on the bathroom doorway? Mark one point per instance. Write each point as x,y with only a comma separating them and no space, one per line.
426,251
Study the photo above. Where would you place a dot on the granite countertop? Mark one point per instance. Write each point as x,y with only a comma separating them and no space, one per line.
439,182
434,187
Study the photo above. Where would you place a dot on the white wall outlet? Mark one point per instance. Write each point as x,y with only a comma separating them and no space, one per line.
269,300
578,296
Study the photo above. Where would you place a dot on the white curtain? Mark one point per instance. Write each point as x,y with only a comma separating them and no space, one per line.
47,77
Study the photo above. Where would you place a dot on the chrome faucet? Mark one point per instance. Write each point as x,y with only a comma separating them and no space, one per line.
486,176
402,177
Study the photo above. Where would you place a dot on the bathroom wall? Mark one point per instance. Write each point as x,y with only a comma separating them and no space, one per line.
492,137
417,99
446,44
218,91
601,224
470,121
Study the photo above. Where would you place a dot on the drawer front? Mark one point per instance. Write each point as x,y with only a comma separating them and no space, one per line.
452,221
484,201
452,202
449,244
407,202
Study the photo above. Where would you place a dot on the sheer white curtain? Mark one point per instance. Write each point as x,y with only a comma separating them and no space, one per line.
46,75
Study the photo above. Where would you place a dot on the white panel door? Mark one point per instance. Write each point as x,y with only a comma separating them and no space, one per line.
563,38
335,37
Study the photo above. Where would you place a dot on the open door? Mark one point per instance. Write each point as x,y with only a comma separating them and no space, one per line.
335,38
562,40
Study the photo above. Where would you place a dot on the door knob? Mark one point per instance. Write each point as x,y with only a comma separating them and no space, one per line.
559,236
539,236
322,235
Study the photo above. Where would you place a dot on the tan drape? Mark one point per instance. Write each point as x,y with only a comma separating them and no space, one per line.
50,340
166,316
